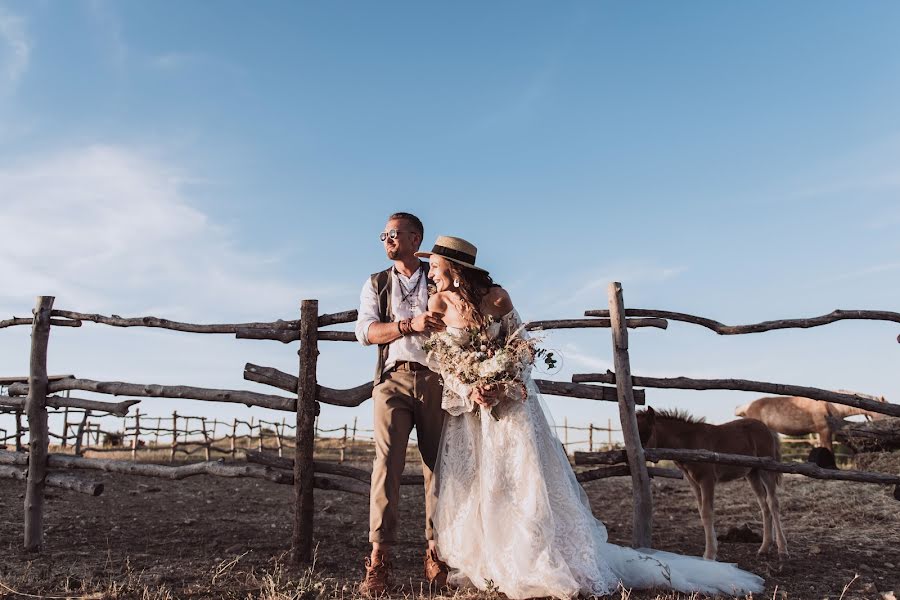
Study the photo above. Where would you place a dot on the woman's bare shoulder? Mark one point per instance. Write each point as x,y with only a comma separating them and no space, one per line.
437,301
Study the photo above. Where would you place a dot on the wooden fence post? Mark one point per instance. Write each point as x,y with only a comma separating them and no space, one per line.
206,443
353,439
280,438
302,540
233,438
174,436
137,434
642,526
79,434
38,438
65,431
18,431
590,437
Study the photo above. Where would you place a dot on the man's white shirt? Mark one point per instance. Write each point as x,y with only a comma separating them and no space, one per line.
405,348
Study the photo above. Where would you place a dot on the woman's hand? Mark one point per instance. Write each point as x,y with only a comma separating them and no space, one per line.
486,395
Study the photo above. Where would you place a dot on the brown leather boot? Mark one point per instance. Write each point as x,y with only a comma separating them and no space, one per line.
379,574
436,570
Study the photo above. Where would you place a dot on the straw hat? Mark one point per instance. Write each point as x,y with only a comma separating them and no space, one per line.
455,250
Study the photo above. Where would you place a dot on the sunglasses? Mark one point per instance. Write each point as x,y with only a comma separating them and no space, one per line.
393,233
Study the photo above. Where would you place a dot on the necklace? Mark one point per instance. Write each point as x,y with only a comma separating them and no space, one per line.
408,295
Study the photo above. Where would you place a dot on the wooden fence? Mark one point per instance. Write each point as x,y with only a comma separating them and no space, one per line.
187,435
306,394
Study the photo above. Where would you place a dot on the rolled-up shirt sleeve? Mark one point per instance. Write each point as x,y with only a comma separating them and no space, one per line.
368,312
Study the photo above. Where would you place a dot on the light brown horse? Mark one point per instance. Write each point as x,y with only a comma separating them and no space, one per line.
795,415
676,429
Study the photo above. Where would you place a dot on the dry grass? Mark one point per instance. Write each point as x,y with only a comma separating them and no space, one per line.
214,538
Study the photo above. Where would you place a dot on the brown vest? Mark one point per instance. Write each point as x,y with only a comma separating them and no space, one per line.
383,284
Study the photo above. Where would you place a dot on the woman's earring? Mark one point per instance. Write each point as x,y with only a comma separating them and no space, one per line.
456,282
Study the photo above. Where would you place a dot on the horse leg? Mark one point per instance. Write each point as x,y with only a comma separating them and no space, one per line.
760,490
707,515
825,438
695,486
770,481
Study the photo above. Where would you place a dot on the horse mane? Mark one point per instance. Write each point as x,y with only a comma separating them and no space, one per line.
677,414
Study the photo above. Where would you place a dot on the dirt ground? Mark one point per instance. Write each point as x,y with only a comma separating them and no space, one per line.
227,538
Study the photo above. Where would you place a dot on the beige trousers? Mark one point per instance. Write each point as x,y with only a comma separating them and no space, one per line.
403,400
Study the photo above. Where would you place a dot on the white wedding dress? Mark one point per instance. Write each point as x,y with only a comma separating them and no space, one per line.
510,515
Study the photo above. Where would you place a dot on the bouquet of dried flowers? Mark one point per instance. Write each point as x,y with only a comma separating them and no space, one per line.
481,361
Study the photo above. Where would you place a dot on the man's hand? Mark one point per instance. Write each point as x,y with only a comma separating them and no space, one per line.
486,396
427,322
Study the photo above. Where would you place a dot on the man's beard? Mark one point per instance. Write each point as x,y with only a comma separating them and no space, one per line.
393,254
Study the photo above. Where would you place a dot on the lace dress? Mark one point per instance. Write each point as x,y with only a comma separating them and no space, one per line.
510,515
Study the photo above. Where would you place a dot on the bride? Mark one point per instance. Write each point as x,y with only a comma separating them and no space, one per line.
510,515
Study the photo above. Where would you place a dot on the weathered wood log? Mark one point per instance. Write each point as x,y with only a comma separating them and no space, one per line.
285,381
337,336
347,316
36,411
271,376
349,397
304,472
881,435
327,468
118,388
7,381
16,321
267,333
766,464
117,321
341,485
217,468
621,470
356,396
722,329
588,392
778,389
586,323
119,409
74,483
55,480
641,536
292,335
13,472
8,457
26,321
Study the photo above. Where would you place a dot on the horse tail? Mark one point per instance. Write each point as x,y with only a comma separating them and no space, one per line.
777,455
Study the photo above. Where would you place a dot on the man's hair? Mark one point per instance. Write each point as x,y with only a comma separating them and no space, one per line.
413,221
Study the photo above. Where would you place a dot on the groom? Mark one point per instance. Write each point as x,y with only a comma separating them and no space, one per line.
393,313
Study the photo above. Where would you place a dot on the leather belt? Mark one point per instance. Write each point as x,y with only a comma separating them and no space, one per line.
406,365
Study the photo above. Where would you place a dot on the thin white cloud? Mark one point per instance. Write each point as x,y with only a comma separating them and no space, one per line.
106,229
863,272
632,274
172,60
176,62
110,28
573,357
15,50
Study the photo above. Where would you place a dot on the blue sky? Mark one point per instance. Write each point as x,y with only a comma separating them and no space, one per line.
220,162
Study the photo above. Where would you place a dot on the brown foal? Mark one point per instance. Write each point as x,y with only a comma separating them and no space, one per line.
675,429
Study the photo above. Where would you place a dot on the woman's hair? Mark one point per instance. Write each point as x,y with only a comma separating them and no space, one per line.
473,286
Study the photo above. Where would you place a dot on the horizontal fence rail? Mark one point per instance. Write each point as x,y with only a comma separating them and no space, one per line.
863,401
38,467
722,329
